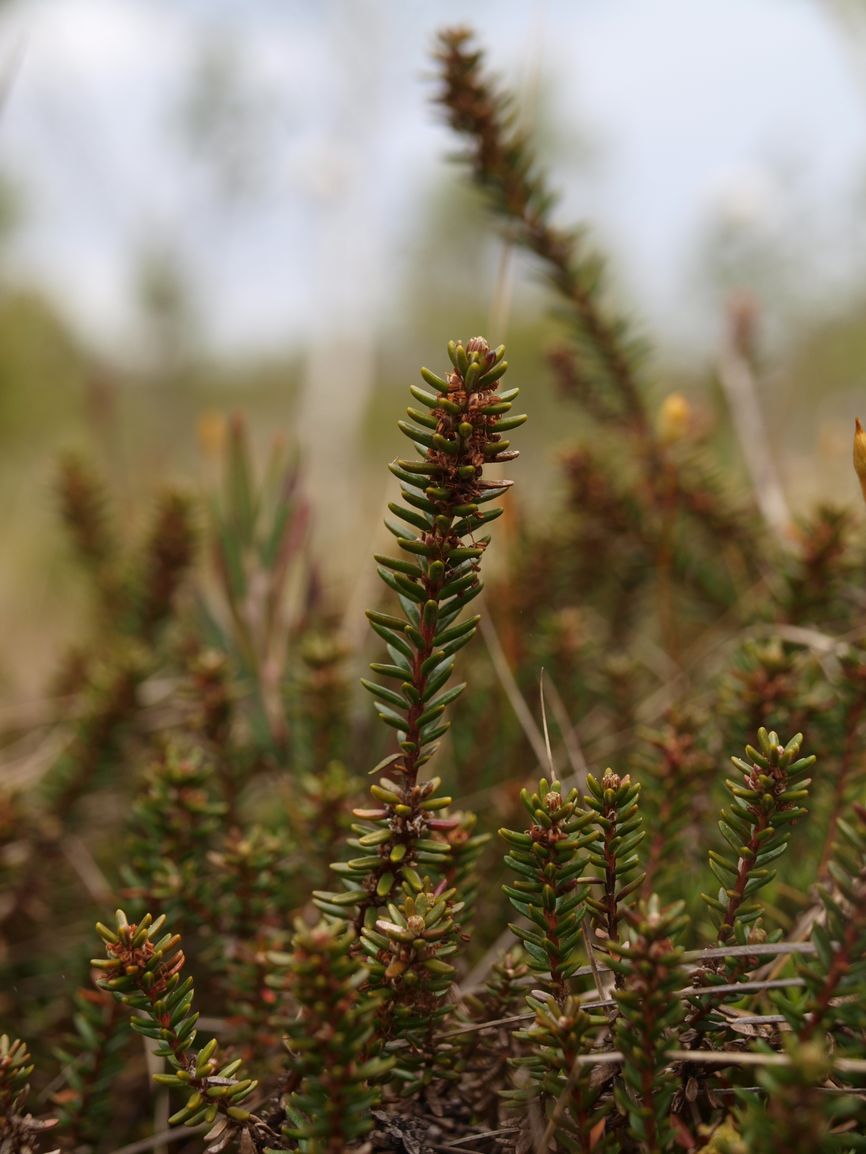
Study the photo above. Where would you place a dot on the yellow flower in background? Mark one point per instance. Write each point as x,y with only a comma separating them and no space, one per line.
860,454
212,431
675,417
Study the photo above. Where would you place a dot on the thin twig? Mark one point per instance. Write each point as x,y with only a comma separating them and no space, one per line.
720,1058
177,1134
731,1091
758,949
459,1143
589,1002
754,1019
750,1058
738,987
464,1149
477,1027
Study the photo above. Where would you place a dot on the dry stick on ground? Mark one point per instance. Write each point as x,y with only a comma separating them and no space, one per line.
721,1058
691,958
177,1134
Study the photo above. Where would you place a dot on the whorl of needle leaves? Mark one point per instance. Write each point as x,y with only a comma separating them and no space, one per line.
143,971
19,1131
756,826
456,433
406,955
84,505
460,431
548,859
647,965
330,1092
838,968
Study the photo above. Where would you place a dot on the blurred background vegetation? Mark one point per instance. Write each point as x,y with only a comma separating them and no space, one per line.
215,206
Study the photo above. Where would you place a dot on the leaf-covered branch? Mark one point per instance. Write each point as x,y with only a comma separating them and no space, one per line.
647,964
756,826
143,970
19,1131
617,834
331,1081
503,165
445,496
549,859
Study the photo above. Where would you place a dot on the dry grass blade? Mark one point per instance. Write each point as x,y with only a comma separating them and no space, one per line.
720,1058
515,698
460,1143
759,949
738,382
737,987
550,765
570,739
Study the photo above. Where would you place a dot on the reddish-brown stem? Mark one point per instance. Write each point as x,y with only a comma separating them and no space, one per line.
659,842
407,828
409,764
737,893
650,1140
735,900
611,910
76,1123
583,1121
560,988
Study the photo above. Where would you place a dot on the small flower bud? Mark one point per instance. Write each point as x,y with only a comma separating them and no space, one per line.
860,454
675,417
212,433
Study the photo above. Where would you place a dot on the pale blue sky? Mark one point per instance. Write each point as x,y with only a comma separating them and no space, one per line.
752,111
